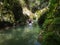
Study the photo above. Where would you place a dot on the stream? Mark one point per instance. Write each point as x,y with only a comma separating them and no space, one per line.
27,35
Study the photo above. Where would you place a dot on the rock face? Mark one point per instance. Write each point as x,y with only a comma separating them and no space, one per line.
5,24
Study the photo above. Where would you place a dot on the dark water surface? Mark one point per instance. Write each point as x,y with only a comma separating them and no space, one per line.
20,36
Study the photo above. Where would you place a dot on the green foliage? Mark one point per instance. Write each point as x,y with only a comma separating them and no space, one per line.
51,38
51,30
11,11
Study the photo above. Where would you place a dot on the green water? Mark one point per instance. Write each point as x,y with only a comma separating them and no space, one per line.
20,35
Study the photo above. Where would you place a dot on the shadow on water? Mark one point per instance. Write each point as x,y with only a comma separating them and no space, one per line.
20,36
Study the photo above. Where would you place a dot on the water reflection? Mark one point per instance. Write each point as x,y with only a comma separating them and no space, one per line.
36,43
20,36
